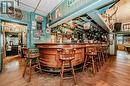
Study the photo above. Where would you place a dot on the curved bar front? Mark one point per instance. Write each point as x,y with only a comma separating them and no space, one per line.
49,54
49,57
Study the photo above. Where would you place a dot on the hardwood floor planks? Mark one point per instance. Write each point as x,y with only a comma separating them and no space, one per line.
115,72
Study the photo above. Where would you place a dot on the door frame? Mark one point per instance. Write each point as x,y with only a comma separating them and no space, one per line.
4,38
1,59
1,38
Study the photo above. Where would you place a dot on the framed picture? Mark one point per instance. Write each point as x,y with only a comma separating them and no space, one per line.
39,25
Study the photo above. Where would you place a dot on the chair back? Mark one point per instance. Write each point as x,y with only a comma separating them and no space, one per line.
66,53
25,52
91,50
33,53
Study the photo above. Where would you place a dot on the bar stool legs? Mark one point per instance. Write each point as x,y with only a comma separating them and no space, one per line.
85,63
99,59
73,72
101,56
24,70
31,61
106,53
62,72
92,64
30,69
39,66
30,66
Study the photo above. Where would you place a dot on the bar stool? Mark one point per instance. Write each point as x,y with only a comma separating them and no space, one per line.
25,51
91,58
32,61
100,55
105,52
66,57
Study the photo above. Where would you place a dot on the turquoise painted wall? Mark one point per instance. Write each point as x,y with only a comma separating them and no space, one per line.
45,37
24,20
27,19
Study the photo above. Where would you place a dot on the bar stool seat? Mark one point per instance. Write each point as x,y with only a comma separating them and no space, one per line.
91,54
105,52
66,57
32,61
33,56
100,55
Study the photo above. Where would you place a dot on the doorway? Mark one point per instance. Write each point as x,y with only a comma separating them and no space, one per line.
14,37
12,43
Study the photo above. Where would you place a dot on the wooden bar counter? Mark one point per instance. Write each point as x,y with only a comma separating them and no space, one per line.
49,55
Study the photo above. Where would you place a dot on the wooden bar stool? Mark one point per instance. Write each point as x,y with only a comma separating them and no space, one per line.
105,52
100,55
91,58
66,57
32,61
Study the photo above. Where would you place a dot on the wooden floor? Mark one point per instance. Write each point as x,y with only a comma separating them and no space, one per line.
116,72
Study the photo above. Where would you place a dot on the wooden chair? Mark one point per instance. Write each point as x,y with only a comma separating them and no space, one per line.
105,52
32,61
66,57
25,52
100,55
91,58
